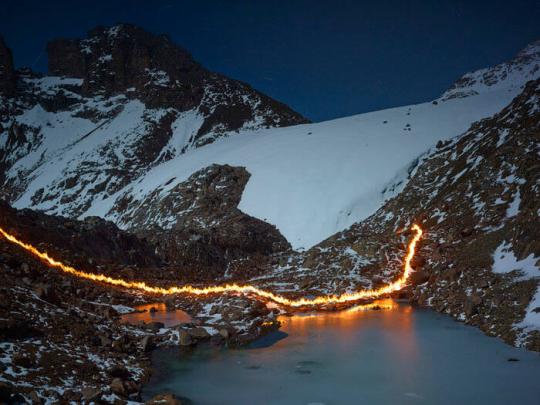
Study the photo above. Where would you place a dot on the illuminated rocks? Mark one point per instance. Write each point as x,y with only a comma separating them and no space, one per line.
185,338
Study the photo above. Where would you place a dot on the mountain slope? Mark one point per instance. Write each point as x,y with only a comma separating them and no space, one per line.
314,180
114,105
310,181
477,198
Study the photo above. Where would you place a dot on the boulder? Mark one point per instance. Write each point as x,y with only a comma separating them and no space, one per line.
104,341
471,304
169,304
216,340
452,274
164,399
184,338
419,277
46,293
483,283
35,399
155,326
117,386
131,387
147,343
224,333
234,314
199,333
467,231
119,345
418,262
119,371
110,313
90,393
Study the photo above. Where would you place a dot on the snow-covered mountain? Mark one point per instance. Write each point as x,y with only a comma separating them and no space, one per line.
198,169
102,151
114,105
477,198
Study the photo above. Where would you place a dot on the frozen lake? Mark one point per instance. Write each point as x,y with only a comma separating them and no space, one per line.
401,355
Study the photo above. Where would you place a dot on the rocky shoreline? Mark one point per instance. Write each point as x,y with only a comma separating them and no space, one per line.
62,339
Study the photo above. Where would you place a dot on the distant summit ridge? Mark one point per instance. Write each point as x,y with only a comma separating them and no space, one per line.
508,76
115,59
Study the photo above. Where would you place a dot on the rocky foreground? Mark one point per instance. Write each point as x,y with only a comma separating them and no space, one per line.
61,337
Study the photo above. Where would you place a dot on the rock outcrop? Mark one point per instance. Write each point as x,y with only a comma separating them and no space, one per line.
93,238
125,58
198,225
8,81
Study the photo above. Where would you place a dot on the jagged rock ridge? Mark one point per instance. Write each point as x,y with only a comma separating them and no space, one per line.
507,75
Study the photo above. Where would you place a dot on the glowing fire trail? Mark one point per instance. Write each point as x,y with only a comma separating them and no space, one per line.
233,288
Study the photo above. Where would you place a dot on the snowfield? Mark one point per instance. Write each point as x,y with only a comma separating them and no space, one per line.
311,180
314,180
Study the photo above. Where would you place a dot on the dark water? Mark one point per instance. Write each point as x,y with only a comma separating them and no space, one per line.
396,356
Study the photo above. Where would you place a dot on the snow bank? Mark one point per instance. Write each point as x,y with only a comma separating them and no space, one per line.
504,261
309,180
317,179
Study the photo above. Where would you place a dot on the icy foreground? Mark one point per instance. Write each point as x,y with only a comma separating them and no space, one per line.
333,358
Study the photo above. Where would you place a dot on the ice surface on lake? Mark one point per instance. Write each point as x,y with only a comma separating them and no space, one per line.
397,356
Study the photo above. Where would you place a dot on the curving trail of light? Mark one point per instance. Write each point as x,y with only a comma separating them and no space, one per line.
233,288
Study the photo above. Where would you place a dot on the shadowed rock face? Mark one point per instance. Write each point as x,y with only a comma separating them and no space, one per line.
197,228
8,83
93,238
200,225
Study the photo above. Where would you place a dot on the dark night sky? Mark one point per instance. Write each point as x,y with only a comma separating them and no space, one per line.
325,59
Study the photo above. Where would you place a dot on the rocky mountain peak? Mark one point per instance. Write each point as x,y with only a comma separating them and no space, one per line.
531,50
8,82
122,57
126,59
